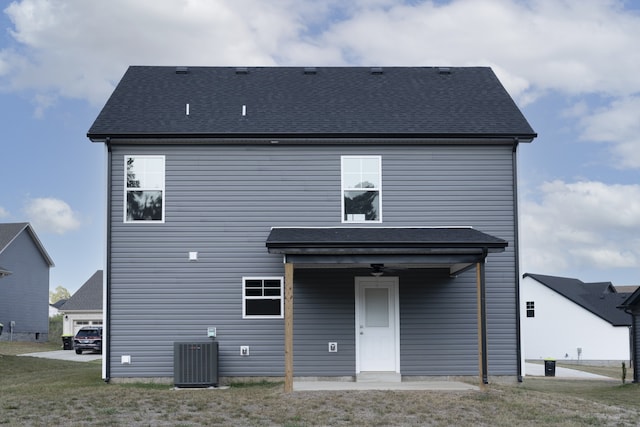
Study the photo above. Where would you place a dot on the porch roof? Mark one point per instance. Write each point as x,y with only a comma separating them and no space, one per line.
455,248
4,272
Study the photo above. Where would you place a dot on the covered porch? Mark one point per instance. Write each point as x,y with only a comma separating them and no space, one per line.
381,251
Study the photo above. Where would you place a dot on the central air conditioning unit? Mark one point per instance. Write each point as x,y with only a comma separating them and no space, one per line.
195,364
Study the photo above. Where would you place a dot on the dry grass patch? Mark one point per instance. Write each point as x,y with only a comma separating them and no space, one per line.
38,392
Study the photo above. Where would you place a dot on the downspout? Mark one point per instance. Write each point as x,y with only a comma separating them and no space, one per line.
633,345
516,248
107,301
632,350
483,317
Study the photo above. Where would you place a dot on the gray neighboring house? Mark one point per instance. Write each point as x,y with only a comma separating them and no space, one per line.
326,221
84,308
24,284
632,306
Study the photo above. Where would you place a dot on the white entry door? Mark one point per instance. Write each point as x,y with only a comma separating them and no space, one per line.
377,324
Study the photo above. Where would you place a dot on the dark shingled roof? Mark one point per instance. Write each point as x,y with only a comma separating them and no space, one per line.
633,300
9,231
322,102
59,303
88,297
600,298
376,237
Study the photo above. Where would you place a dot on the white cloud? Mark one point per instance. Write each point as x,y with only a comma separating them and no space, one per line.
51,215
569,46
535,46
617,123
86,46
581,225
3,212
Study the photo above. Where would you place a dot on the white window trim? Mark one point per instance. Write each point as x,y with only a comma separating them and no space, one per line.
244,297
164,193
343,189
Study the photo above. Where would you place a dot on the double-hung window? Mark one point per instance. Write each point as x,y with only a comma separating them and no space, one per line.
361,188
262,297
144,189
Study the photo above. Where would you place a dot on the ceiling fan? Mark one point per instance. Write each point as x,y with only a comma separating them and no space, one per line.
378,270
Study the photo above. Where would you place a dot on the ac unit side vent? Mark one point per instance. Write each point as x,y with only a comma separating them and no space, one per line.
195,364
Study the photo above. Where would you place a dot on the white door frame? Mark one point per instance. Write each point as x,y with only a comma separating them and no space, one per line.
360,282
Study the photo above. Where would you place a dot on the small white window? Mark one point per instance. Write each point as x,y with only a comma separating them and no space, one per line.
262,297
144,189
361,188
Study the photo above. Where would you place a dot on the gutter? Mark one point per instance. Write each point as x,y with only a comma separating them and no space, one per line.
516,255
311,137
107,302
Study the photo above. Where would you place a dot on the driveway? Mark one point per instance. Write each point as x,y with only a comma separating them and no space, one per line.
66,355
537,370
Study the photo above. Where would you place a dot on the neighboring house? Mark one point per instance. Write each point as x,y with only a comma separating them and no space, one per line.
327,221
631,306
84,308
626,288
4,272
567,319
24,289
54,309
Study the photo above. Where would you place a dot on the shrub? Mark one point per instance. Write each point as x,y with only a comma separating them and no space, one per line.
55,328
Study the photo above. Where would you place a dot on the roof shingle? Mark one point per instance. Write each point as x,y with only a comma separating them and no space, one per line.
88,297
418,102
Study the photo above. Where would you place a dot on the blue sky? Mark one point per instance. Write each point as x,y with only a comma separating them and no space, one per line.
572,66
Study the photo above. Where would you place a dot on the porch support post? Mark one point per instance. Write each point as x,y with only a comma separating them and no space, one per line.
482,323
288,327
635,357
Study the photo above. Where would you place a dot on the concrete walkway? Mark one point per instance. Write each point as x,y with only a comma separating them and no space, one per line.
69,355
537,370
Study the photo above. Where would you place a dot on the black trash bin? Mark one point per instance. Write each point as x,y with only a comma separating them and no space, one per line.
67,342
549,368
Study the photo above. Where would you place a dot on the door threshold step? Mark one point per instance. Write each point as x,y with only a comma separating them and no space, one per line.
379,376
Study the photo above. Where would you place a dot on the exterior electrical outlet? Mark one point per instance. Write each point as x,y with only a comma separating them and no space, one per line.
333,347
244,350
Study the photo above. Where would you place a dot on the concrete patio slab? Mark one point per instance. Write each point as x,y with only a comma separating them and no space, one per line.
373,385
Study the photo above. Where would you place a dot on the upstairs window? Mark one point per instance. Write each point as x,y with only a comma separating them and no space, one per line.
531,309
144,189
361,188
262,297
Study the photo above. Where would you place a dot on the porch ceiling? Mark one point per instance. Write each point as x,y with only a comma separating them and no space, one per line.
454,248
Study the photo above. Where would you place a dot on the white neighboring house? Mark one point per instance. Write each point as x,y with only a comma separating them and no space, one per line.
84,308
54,309
566,319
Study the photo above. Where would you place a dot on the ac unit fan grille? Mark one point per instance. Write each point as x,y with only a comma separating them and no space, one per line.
195,364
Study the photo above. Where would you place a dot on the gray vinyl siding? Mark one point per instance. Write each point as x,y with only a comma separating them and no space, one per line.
222,201
24,294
